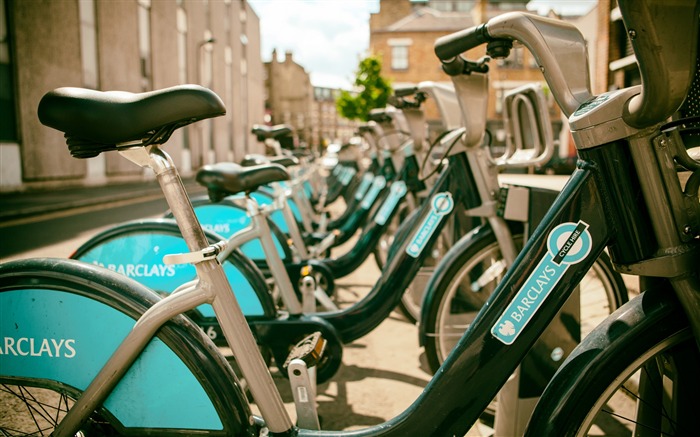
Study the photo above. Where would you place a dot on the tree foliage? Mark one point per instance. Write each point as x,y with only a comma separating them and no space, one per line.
371,91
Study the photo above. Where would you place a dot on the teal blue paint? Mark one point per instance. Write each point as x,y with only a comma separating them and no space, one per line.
226,220
378,184
396,193
140,257
441,204
568,243
64,337
365,183
347,176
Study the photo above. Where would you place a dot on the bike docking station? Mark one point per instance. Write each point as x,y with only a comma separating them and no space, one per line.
529,143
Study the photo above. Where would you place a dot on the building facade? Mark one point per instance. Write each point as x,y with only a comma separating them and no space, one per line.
403,33
327,125
288,95
134,46
616,65
292,99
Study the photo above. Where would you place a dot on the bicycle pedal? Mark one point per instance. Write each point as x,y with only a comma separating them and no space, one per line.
310,350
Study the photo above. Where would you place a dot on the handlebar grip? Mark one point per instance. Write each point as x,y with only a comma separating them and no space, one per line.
450,46
404,91
454,66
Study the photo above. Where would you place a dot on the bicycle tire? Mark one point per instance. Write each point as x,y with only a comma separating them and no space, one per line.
448,296
646,351
64,281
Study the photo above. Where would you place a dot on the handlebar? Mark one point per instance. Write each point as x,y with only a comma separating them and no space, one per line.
451,46
558,47
659,33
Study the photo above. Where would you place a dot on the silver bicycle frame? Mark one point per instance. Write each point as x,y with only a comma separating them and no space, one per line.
212,288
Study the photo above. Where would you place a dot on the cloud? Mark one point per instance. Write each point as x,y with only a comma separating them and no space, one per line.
327,38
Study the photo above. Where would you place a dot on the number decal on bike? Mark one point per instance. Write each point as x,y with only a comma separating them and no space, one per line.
398,190
442,204
568,243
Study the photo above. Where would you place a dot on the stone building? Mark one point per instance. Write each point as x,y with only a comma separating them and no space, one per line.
129,45
292,99
288,95
327,125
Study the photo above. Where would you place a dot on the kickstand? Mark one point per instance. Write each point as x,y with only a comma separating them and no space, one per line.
301,368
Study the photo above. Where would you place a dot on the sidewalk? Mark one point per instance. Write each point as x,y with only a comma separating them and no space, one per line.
19,205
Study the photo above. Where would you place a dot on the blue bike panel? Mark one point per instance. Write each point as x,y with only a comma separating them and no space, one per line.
396,192
378,185
308,190
365,183
60,336
440,205
226,220
139,255
277,217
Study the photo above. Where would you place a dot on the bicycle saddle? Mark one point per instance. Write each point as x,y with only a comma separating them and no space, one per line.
227,178
256,159
97,121
264,132
379,115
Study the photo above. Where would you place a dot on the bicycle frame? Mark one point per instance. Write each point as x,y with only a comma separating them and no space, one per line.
585,218
212,288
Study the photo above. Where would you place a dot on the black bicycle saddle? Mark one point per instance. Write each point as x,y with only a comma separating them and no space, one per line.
97,121
256,159
277,131
227,178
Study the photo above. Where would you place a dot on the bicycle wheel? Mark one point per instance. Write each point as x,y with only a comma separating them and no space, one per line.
470,274
636,374
32,410
62,319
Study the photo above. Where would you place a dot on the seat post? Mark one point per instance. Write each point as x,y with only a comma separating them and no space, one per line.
174,191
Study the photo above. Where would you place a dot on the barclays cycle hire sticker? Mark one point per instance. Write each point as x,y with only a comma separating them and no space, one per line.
567,244
377,185
441,204
396,192
347,177
364,186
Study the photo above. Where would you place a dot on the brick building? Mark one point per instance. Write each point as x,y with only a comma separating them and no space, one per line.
403,33
288,95
616,66
292,99
129,45
327,126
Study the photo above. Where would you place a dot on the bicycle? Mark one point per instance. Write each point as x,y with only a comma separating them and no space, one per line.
455,397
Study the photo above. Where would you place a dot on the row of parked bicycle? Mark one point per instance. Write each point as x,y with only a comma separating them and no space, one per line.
122,338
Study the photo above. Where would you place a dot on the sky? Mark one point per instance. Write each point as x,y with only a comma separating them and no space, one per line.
329,37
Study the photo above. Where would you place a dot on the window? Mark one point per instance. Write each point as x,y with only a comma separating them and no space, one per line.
8,126
399,57
144,20
399,52
88,43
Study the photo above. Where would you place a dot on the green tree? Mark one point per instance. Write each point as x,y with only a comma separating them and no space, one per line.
371,91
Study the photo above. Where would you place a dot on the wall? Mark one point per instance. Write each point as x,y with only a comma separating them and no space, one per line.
46,45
